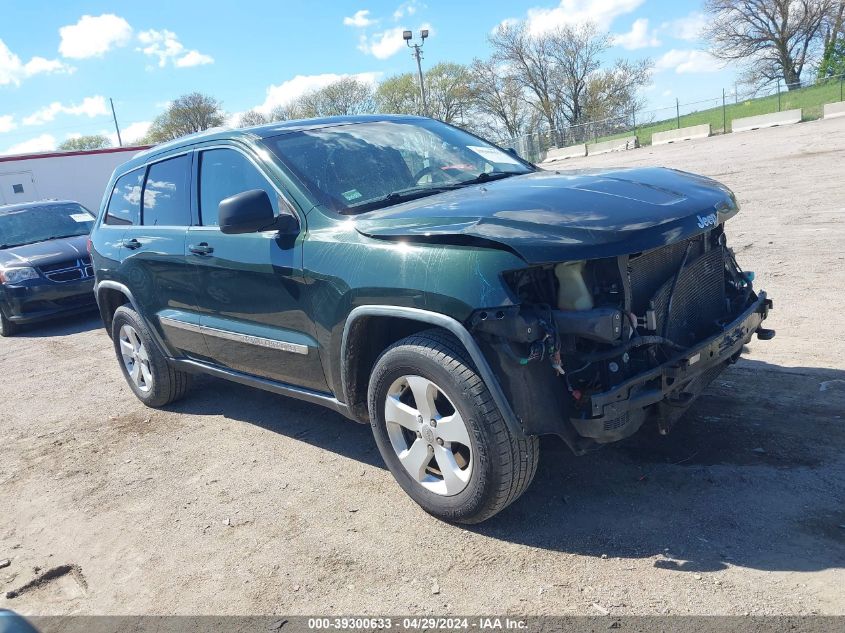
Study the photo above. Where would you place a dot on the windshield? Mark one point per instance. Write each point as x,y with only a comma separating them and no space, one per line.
363,166
26,225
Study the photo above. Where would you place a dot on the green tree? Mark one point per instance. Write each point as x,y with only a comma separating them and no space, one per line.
189,113
447,93
399,94
90,141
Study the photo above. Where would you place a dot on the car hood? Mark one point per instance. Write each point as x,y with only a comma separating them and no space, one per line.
45,253
559,216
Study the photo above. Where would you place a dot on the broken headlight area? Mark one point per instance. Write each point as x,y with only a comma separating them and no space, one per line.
619,326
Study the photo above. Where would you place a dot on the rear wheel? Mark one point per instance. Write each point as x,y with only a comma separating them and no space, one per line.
440,433
148,373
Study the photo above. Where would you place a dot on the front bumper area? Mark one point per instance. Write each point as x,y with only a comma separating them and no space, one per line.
618,412
45,300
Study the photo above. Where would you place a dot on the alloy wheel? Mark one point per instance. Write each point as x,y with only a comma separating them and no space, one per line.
429,435
135,358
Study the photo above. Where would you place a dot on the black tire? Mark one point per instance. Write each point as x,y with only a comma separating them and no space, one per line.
7,328
167,384
502,465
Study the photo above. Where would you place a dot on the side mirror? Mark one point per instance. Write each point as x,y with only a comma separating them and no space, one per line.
246,212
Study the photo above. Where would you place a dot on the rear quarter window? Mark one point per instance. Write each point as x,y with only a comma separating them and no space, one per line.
125,201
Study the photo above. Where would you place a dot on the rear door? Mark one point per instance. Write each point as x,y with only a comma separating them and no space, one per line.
250,290
154,263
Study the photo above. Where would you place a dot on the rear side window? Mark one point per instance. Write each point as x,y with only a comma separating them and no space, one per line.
125,202
224,173
167,200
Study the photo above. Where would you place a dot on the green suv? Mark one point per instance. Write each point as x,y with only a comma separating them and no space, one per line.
415,277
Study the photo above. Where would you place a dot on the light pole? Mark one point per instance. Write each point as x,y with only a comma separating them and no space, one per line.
407,35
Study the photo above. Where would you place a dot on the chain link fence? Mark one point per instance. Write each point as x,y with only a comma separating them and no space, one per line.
719,111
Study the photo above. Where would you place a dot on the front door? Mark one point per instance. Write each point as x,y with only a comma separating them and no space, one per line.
250,290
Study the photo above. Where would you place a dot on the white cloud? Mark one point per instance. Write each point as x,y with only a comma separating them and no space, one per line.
360,19
387,43
7,123
165,45
13,70
638,37
90,107
406,8
572,12
688,61
285,92
43,143
93,36
194,58
131,133
687,28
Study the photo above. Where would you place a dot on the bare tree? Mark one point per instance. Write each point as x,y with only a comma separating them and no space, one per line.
775,39
498,97
252,117
530,63
189,113
561,71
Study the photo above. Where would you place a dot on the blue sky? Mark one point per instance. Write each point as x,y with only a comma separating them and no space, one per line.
61,61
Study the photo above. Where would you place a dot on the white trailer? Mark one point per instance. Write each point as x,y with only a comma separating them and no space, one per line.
81,176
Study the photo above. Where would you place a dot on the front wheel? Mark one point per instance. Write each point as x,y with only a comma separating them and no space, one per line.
440,433
7,328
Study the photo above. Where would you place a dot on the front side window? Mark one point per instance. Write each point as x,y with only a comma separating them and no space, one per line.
27,225
224,173
125,202
363,166
167,200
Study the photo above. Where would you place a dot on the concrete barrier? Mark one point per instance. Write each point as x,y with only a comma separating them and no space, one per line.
787,117
682,134
616,145
833,110
562,153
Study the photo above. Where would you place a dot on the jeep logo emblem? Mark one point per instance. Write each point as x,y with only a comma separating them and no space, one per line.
707,220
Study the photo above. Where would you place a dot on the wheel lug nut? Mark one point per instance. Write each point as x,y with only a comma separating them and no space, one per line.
419,434
433,423
419,419
430,448
440,441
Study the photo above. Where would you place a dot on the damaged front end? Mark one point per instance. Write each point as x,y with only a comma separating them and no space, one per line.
593,348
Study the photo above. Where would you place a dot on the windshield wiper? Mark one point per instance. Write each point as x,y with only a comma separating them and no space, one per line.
400,195
487,176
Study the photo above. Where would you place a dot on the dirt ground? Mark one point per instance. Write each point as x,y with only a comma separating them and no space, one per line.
236,501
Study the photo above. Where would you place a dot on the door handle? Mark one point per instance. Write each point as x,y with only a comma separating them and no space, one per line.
201,249
131,244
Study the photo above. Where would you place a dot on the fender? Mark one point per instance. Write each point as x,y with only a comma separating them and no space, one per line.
447,323
114,285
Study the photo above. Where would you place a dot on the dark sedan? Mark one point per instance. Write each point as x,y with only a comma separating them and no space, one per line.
45,269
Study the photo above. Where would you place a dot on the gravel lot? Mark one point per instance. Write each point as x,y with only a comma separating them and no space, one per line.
236,501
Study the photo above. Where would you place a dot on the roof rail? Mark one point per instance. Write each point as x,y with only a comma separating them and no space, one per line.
182,139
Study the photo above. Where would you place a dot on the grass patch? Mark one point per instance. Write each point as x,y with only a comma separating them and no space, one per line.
811,100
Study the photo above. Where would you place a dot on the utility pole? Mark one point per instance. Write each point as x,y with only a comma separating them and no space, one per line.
678,112
724,114
407,35
116,127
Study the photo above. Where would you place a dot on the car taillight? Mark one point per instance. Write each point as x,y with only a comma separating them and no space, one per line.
88,245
